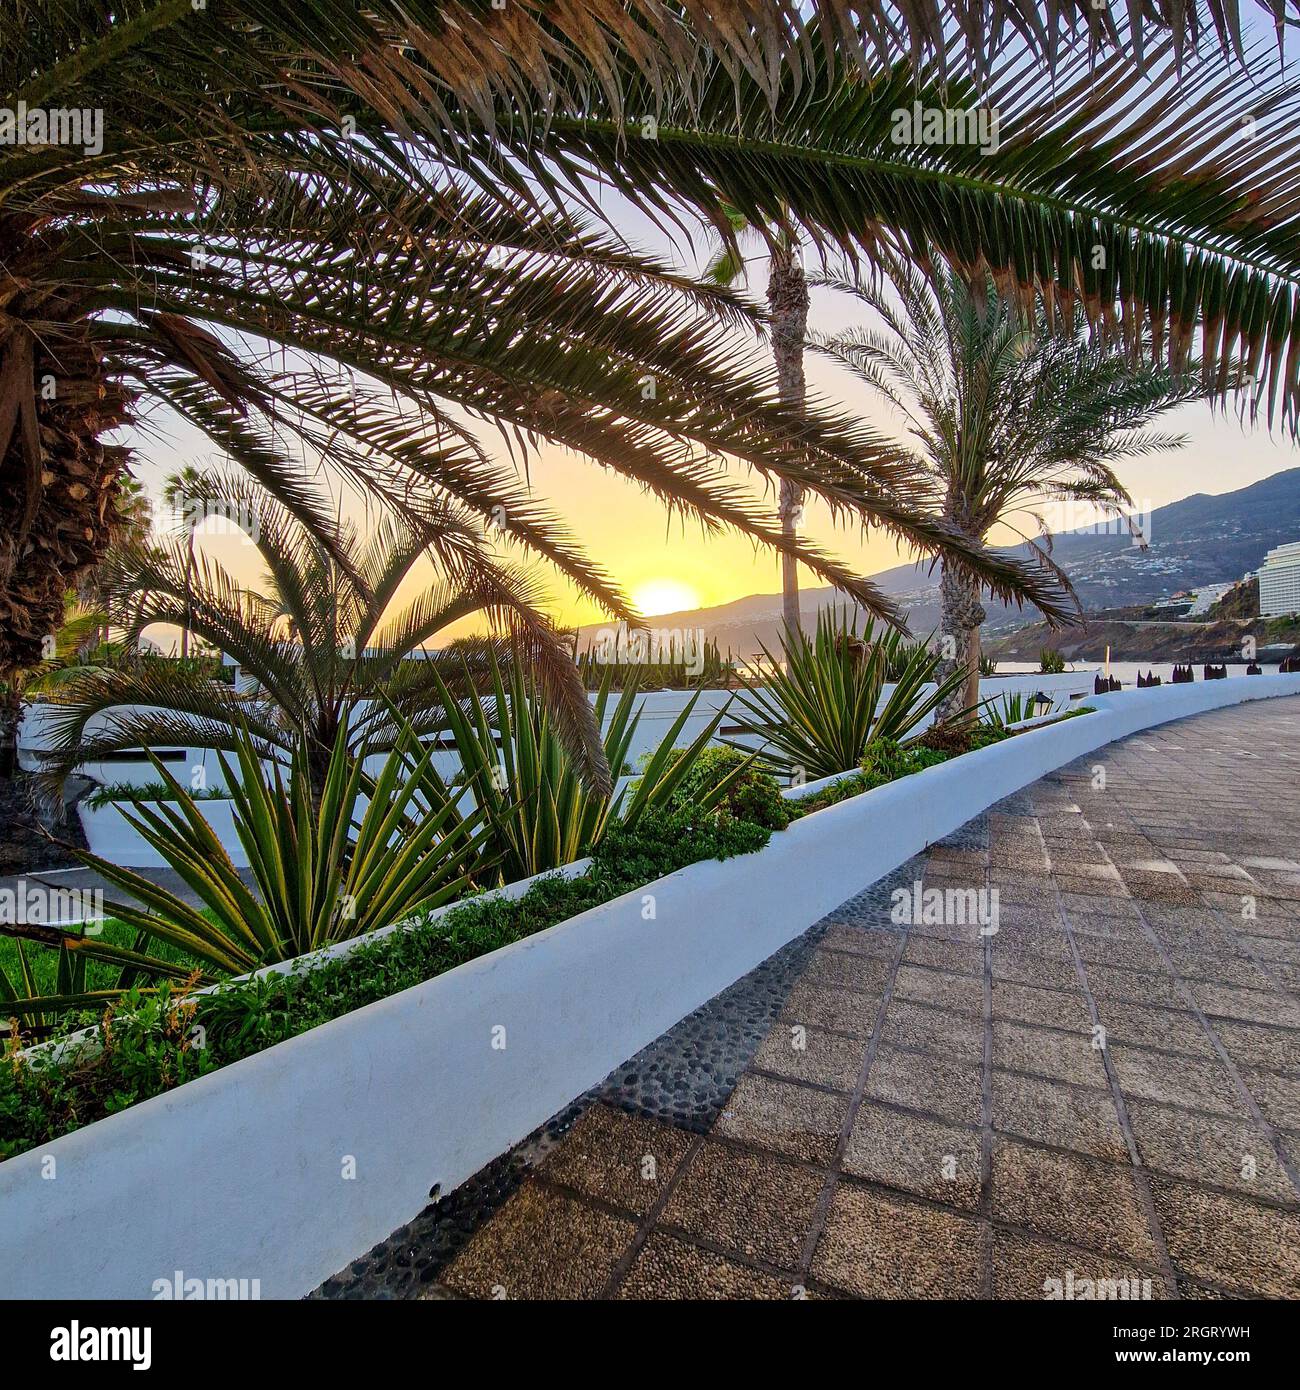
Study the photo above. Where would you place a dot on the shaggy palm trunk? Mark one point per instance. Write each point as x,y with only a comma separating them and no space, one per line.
787,301
58,483
960,616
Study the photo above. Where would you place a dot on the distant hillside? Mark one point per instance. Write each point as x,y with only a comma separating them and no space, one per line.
1204,539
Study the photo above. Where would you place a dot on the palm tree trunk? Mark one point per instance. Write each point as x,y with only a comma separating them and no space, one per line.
11,714
787,301
960,616
189,589
58,484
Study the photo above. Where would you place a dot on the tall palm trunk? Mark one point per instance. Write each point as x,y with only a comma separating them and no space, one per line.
189,592
787,301
58,483
960,616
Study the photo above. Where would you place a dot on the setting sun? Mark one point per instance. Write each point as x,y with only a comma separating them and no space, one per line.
664,596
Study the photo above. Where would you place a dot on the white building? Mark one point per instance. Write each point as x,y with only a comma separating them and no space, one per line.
1279,581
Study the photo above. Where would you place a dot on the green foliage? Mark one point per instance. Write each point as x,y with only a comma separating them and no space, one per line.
852,785
884,760
112,793
665,840
1011,708
984,735
540,812
156,1041
1050,662
817,707
322,641
750,793
22,991
330,862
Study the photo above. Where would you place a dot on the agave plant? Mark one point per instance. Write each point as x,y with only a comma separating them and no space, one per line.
1011,708
540,813
816,708
377,849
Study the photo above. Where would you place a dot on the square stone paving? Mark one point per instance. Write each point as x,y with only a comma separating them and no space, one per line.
1099,1099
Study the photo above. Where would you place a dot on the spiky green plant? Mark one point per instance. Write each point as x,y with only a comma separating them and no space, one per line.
323,643
373,850
516,769
1011,708
35,1010
815,709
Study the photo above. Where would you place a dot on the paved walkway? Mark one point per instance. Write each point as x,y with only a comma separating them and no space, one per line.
1106,1088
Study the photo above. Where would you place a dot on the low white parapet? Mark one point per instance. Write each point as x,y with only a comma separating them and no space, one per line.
288,1164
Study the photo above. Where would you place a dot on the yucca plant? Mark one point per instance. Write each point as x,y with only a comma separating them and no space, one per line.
23,1001
817,707
376,850
540,813
1011,708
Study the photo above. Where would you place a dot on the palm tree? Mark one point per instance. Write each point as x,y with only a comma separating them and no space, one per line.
324,643
1152,189
787,307
375,190
288,195
1006,412
81,629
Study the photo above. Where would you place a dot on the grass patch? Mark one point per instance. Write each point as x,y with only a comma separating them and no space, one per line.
44,963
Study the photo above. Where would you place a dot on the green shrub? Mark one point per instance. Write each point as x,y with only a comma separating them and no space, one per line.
110,793
986,734
663,841
1050,662
883,760
842,790
753,795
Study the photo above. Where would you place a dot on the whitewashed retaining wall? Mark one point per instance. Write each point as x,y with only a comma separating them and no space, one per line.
239,1175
